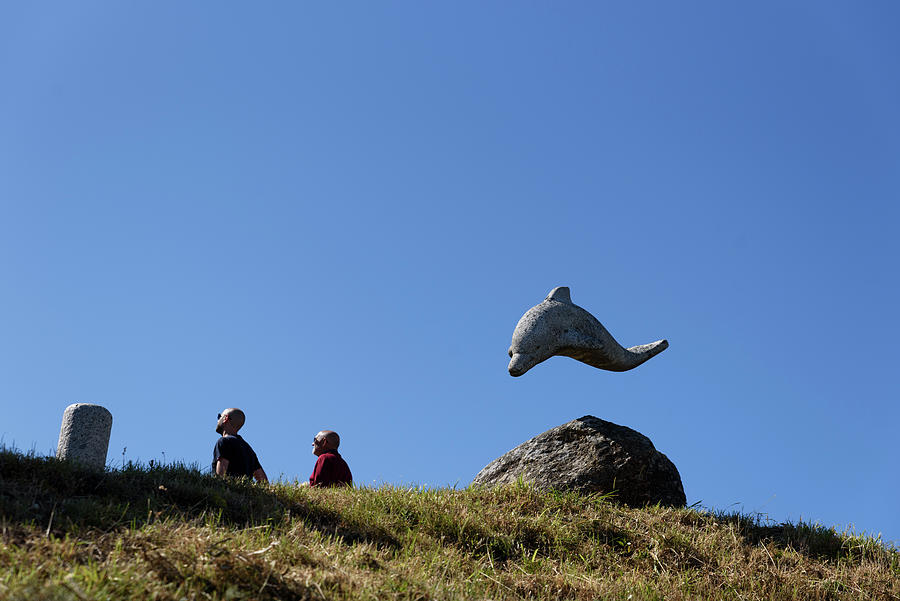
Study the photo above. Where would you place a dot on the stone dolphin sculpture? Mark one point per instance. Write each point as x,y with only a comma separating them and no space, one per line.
559,327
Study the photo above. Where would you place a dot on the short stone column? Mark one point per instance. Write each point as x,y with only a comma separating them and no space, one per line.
84,435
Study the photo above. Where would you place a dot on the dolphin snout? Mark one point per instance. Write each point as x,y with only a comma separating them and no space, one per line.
519,364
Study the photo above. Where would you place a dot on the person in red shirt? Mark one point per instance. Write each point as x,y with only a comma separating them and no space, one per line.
331,469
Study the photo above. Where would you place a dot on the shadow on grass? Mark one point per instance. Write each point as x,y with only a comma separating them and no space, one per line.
229,574
61,497
812,540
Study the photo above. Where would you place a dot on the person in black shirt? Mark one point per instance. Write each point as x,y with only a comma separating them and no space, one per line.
232,456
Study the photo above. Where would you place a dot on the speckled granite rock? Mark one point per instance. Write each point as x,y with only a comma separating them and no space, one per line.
557,326
84,435
591,455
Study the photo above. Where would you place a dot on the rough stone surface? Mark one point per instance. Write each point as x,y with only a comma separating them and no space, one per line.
591,455
84,435
559,327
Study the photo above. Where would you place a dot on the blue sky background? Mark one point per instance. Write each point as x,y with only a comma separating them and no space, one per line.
332,216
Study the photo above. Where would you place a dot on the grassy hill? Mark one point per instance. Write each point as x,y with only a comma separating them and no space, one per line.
170,532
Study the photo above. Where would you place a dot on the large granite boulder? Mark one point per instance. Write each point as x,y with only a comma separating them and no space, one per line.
591,455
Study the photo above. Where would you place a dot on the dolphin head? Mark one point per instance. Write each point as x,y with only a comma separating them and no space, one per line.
530,346
519,363
536,338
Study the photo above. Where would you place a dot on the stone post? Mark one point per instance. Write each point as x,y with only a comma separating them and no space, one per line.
84,435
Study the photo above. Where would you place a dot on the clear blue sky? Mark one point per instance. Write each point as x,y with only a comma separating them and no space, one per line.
332,216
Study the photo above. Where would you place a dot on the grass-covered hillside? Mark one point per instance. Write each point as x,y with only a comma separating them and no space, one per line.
173,533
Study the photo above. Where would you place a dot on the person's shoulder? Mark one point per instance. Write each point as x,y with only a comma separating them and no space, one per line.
335,458
227,441
325,459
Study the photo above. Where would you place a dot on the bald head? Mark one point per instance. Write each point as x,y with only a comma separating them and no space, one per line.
326,440
332,440
230,421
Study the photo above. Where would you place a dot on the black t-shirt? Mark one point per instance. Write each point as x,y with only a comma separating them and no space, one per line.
242,460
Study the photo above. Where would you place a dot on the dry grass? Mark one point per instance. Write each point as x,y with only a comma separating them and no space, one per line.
173,533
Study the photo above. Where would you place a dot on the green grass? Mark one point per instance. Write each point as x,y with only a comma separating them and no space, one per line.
170,532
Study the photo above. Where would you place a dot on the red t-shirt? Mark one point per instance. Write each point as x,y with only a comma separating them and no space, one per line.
330,470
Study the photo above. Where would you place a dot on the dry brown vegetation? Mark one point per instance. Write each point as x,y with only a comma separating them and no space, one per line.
172,533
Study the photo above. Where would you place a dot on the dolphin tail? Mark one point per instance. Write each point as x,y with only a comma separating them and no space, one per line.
643,352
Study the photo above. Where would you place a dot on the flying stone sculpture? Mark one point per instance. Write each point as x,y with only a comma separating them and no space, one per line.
559,327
